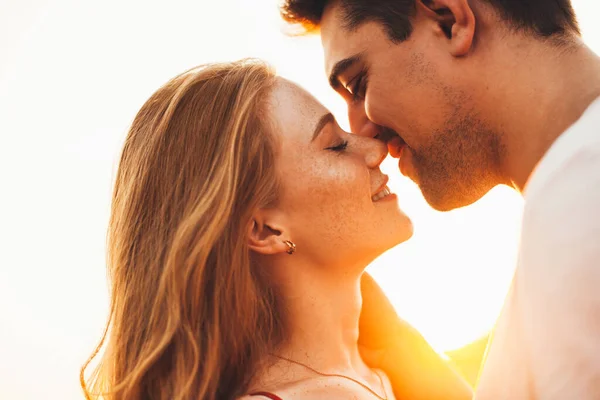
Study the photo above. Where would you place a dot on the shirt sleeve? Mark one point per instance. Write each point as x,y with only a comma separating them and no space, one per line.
559,282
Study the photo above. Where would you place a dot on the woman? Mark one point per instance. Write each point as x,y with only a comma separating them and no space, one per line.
242,220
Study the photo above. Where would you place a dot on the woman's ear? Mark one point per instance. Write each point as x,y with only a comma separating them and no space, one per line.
455,19
266,233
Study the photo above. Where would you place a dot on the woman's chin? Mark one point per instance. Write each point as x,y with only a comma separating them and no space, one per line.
407,231
398,237
402,231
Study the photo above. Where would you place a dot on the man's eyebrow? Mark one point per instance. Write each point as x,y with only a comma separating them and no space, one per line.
324,120
340,67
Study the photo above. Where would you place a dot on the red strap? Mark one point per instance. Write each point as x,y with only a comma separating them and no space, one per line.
267,394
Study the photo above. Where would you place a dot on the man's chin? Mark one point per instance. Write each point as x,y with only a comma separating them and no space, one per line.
447,200
442,206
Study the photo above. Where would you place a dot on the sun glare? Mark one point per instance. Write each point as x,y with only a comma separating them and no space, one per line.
72,77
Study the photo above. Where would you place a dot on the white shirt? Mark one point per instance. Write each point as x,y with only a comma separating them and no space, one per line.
546,345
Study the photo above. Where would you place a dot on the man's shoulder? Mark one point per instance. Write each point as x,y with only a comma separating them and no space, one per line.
567,199
561,201
573,158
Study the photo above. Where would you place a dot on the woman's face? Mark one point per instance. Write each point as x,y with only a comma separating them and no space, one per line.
334,199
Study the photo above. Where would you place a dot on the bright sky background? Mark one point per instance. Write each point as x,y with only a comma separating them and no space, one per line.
72,76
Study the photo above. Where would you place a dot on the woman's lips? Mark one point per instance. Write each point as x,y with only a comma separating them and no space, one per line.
382,195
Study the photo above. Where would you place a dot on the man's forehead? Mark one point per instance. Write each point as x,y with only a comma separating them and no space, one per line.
339,42
334,35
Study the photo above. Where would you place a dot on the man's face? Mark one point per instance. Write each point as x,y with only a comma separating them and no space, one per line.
425,95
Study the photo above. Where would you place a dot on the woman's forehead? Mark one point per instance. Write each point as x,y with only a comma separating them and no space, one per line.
294,110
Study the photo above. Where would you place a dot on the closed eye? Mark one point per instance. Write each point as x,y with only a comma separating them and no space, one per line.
340,147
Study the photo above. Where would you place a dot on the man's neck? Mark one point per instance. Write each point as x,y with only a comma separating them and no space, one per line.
554,86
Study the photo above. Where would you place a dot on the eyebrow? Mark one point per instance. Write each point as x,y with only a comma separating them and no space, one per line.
323,121
340,67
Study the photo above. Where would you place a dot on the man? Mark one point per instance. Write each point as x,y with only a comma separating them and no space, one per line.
470,94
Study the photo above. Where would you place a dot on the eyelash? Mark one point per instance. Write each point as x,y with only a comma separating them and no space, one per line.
340,147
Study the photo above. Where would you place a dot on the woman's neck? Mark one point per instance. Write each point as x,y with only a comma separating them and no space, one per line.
322,315
321,308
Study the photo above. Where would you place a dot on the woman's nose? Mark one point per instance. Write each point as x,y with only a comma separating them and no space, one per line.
375,151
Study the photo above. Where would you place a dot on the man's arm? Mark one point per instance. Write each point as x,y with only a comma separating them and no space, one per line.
416,371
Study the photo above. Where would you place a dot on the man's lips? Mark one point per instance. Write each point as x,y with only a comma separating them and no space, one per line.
395,146
386,135
394,142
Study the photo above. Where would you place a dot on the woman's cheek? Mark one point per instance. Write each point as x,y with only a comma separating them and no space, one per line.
330,183
341,178
347,189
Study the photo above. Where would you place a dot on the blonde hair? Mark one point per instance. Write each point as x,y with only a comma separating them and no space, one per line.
191,314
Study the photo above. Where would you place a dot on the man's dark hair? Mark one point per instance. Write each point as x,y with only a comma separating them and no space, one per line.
542,17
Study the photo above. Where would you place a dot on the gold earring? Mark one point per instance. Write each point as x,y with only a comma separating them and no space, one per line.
291,246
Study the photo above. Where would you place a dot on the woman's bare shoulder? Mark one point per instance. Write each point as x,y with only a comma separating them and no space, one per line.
320,388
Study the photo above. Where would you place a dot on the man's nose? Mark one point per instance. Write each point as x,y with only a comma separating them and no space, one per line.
360,123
